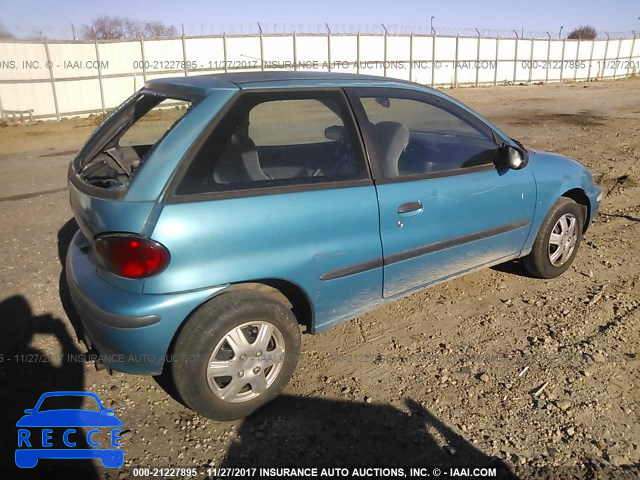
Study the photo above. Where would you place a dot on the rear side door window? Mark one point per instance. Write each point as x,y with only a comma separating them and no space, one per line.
279,139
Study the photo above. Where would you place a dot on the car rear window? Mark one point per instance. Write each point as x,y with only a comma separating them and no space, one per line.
151,127
120,146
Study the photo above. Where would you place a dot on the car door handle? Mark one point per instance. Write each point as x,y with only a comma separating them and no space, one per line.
410,209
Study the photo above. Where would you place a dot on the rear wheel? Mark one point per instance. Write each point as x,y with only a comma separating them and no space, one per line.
236,353
558,240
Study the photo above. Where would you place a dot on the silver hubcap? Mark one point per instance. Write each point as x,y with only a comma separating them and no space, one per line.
246,361
563,239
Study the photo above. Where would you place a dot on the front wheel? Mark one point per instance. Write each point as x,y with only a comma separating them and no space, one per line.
558,240
236,353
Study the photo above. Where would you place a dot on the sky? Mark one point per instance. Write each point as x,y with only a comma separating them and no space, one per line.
23,17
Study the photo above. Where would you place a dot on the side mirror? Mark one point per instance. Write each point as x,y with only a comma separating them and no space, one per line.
29,411
511,157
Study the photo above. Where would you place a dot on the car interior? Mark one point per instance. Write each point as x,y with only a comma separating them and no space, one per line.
248,162
109,162
242,161
400,151
325,152
428,152
419,149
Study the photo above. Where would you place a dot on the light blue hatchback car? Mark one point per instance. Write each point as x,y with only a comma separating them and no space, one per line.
219,213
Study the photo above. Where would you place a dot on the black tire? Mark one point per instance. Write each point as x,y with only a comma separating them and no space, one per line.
538,262
204,332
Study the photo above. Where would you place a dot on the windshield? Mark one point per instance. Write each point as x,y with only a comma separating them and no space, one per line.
120,146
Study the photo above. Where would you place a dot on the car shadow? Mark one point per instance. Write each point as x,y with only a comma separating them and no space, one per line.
26,372
295,432
29,371
166,382
513,267
65,235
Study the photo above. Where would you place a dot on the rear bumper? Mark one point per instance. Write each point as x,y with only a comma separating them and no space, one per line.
131,332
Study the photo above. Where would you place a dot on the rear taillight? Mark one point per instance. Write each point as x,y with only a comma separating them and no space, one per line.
131,256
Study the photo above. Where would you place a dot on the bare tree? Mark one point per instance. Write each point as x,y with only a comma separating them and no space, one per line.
104,28
113,28
159,29
583,32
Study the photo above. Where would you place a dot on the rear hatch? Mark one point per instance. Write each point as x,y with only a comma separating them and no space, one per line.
100,176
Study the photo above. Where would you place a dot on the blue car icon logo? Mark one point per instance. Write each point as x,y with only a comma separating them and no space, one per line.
36,429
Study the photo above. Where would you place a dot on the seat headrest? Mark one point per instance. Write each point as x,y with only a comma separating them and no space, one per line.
391,139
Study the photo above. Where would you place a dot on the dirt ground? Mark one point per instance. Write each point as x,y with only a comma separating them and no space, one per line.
494,368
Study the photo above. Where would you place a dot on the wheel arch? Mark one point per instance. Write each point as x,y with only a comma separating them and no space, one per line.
284,291
579,196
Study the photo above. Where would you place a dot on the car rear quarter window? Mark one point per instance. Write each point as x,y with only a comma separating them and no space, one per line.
422,136
278,140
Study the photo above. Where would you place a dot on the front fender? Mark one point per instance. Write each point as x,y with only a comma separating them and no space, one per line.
556,175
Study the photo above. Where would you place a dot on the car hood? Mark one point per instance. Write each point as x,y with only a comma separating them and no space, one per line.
69,418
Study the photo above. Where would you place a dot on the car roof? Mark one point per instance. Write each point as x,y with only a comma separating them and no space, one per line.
203,84
240,78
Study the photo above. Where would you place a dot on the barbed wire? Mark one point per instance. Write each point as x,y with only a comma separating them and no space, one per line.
74,32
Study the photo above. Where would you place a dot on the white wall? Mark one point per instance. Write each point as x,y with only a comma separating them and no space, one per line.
70,78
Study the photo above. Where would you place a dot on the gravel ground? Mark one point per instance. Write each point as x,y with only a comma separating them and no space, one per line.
495,368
